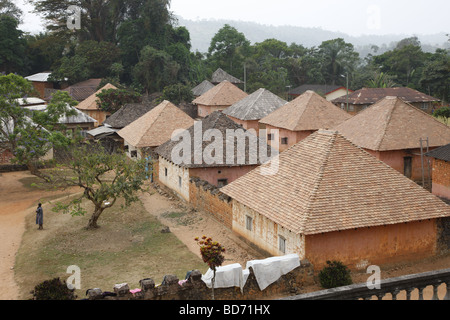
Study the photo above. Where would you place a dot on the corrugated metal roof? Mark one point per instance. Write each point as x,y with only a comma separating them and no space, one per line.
80,117
39,77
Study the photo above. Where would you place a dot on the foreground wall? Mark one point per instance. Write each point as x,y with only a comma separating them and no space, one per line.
375,245
195,289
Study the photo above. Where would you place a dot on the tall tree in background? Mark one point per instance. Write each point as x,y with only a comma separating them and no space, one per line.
337,58
228,50
7,7
435,79
12,45
404,62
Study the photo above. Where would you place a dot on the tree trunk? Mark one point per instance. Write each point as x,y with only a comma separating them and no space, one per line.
36,172
92,224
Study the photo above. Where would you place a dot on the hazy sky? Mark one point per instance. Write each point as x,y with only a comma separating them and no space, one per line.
354,17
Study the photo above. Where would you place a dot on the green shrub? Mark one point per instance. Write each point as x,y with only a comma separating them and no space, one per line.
54,289
335,274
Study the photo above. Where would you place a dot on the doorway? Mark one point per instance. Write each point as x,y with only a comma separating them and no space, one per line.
407,167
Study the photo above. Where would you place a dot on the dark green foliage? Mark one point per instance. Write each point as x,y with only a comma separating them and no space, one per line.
12,45
177,93
335,274
112,100
54,289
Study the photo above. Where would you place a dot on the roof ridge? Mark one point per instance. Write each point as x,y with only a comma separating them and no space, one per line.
319,177
386,124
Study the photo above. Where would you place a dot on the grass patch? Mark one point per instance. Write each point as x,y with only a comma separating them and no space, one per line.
128,247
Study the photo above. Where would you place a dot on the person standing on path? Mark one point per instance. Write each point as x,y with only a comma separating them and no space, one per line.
39,216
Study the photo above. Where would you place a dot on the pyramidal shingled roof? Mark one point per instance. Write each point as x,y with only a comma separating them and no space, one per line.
223,94
255,106
90,103
156,126
325,183
373,95
308,111
393,124
220,124
221,75
128,113
201,88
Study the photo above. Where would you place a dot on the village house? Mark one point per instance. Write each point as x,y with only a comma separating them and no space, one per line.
82,90
221,75
90,106
391,130
152,129
79,121
43,86
441,172
248,111
331,200
300,117
177,174
365,97
218,98
329,92
201,88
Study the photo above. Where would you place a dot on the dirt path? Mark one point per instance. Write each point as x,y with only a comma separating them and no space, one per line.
187,224
16,202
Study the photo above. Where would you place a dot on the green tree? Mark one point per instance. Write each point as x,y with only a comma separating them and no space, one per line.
112,100
104,177
9,8
155,70
435,77
337,58
12,45
30,135
405,62
74,69
443,113
380,80
177,93
228,49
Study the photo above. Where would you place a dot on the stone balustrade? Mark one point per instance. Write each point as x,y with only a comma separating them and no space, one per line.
392,286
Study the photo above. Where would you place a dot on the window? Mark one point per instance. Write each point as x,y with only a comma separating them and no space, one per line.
282,244
179,182
165,172
133,154
351,107
270,136
249,223
284,140
222,182
424,106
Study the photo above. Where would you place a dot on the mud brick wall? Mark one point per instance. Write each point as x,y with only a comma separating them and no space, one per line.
206,197
195,289
443,230
441,172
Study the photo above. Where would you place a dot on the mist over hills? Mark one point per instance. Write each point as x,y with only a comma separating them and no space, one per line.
202,31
